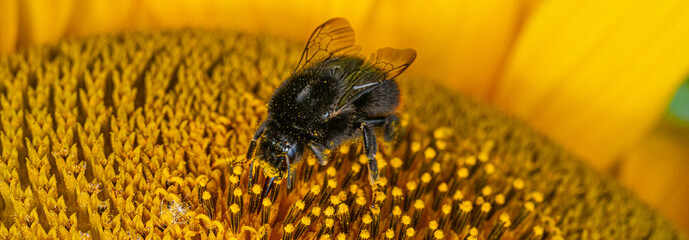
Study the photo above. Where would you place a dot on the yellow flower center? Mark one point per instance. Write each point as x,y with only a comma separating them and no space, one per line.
144,135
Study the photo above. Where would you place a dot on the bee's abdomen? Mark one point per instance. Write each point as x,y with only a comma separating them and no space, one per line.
383,100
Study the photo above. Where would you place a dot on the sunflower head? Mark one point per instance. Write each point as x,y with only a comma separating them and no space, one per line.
138,135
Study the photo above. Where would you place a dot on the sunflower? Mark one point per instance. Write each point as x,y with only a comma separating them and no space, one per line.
580,79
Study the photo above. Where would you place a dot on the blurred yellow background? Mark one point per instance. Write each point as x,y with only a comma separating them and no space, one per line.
595,76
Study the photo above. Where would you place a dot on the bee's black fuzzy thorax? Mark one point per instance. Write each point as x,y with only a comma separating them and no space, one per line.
303,99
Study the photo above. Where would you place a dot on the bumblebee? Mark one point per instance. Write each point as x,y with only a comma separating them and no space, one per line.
333,96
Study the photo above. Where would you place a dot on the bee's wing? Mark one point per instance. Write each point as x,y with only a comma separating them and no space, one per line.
391,62
332,38
386,63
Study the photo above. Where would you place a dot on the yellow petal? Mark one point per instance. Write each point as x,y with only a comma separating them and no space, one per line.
171,14
103,16
462,43
656,166
10,22
594,75
43,21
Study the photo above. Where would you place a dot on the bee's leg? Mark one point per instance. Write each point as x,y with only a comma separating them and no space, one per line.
251,174
254,139
318,150
252,147
291,179
391,122
268,185
388,123
249,154
370,147
250,151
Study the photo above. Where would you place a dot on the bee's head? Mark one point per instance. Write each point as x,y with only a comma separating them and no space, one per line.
277,151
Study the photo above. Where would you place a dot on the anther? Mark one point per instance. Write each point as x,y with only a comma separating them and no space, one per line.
442,192
294,211
288,231
409,233
396,215
438,235
329,187
343,216
304,223
311,195
265,211
480,215
411,192
397,196
396,164
255,198
461,217
389,234
327,227
364,235
418,210
498,229
444,215
375,223
432,227
524,212
235,218
308,169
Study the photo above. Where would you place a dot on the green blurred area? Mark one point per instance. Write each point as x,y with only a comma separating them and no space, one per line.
679,107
